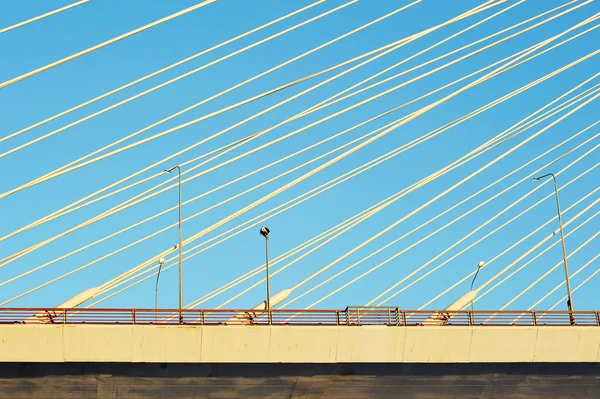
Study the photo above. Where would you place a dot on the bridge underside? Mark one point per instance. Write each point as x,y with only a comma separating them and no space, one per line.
299,380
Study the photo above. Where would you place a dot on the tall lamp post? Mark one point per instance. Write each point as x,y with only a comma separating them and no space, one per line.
264,231
479,266
161,262
179,245
564,248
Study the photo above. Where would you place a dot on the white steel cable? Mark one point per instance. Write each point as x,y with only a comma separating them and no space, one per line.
336,97
85,160
387,203
512,264
104,44
158,72
553,268
169,226
465,249
72,207
547,272
578,287
397,46
252,273
473,245
582,268
141,266
46,15
157,87
404,250
66,209
114,211
380,233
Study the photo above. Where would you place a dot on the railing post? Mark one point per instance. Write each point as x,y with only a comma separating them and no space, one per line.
337,317
397,317
470,317
598,318
404,318
133,315
389,316
358,316
534,317
65,317
347,317
201,317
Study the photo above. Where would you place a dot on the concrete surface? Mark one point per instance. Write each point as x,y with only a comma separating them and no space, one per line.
297,344
299,380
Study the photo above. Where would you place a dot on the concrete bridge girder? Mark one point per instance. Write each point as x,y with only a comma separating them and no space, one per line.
298,344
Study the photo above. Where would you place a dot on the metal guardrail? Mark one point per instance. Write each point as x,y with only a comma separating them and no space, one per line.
351,316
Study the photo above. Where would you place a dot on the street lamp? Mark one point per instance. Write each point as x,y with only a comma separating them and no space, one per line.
444,316
264,231
161,262
179,246
564,248
479,266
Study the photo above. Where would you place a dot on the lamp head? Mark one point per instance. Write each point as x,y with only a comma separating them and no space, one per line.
264,231
162,261
481,263
543,177
171,169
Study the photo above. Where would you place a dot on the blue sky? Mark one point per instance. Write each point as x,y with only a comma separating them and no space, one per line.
46,94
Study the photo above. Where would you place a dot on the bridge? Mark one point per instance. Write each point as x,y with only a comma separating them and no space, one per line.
388,154
353,335
357,352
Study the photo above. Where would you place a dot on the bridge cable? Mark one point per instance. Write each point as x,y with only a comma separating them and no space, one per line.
460,252
259,269
555,100
338,97
512,264
383,231
578,287
403,192
235,144
70,208
415,116
372,269
84,161
104,44
48,14
120,208
155,88
158,72
553,268
548,272
582,268
55,279
254,272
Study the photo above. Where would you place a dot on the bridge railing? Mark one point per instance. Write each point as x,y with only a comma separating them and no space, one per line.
351,316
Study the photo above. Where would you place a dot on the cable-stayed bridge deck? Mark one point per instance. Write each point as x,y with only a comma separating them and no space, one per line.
355,334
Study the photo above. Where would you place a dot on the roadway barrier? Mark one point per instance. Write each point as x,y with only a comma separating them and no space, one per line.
351,316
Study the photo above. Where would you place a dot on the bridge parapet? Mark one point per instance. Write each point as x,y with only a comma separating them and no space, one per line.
367,341
351,316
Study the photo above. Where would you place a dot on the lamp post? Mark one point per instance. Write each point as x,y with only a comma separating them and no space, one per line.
179,245
264,231
161,262
479,266
564,248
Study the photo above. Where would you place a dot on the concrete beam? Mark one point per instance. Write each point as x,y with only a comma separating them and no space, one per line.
297,344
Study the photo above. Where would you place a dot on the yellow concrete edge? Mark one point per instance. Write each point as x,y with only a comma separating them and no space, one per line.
298,344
